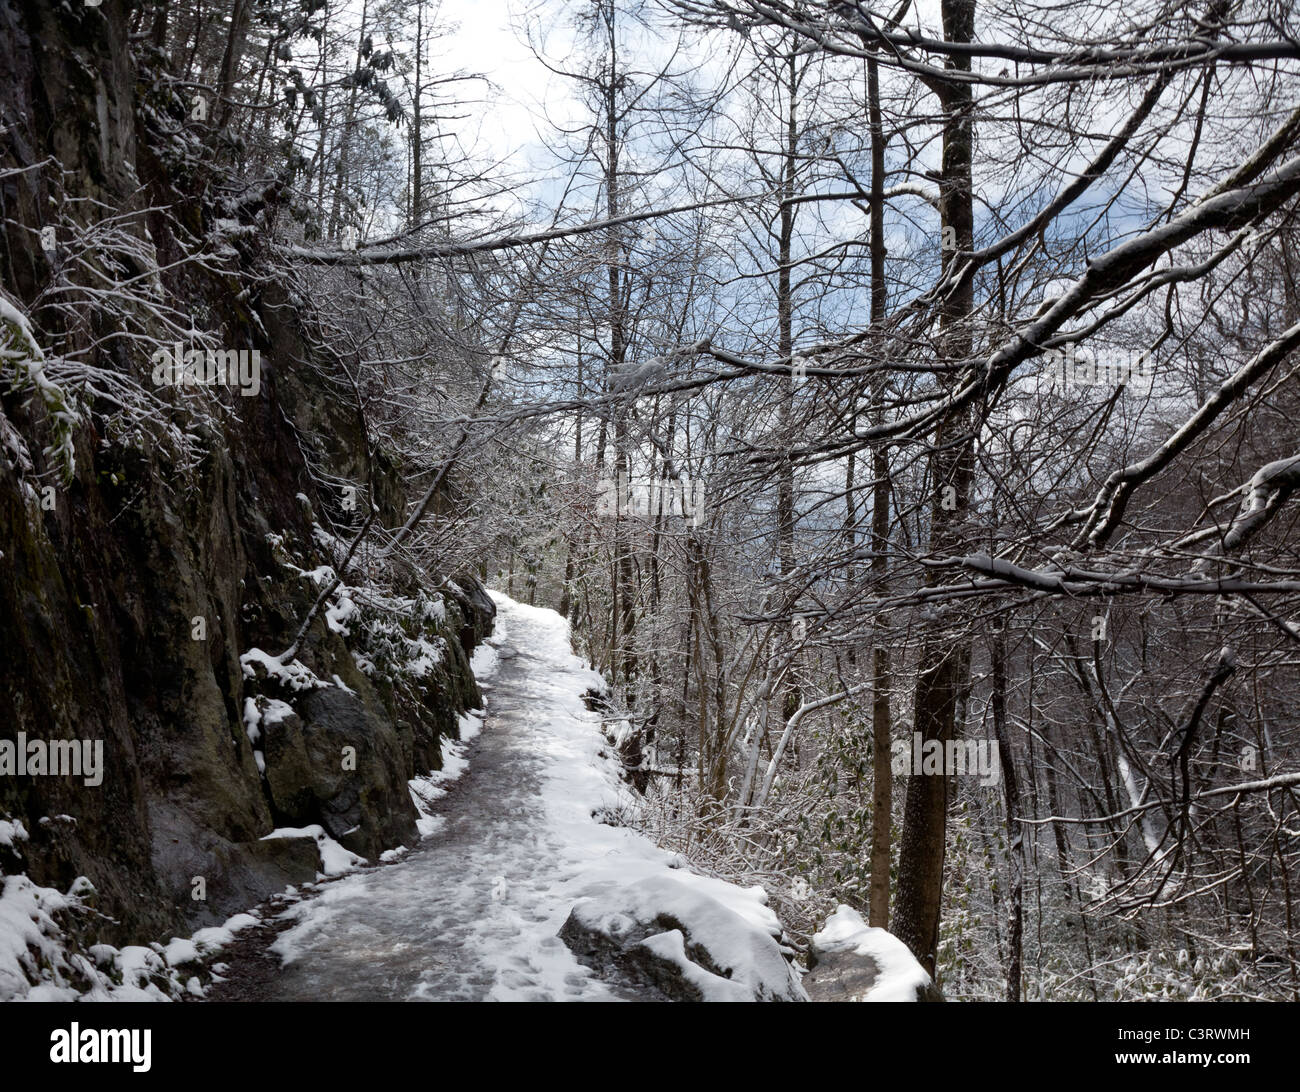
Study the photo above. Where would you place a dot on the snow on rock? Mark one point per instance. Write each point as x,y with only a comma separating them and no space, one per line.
335,860
667,931
263,712
11,833
854,961
252,721
338,615
41,961
180,951
295,675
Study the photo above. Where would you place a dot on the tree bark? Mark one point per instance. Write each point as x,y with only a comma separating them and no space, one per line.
944,662
882,774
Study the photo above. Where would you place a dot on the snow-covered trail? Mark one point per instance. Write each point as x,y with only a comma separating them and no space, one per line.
473,912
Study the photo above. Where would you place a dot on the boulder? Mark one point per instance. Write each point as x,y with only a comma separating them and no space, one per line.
679,942
367,809
478,611
236,875
289,777
850,960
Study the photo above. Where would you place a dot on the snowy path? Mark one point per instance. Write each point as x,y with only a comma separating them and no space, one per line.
473,912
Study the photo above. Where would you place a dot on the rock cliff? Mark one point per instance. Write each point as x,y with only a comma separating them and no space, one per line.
161,547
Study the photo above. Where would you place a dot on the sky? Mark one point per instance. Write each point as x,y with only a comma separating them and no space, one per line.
488,39
510,118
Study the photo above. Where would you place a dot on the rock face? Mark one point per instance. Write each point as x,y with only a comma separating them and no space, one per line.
851,961
662,935
152,565
367,809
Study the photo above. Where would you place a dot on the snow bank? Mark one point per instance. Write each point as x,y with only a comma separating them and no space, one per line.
897,975
184,950
484,662
614,875
687,942
40,961
12,832
429,788
471,724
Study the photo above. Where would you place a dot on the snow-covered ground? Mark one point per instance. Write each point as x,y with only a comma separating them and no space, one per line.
473,913
32,942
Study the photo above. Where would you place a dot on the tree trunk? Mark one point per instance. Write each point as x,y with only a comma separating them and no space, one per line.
230,60
882,774
785,347
417,136
1011,799
944,661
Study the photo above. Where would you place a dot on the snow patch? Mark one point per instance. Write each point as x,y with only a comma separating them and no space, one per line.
11,833
471,724
335,859
741,940
295,675
427,790
39,962
340,613
484,662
